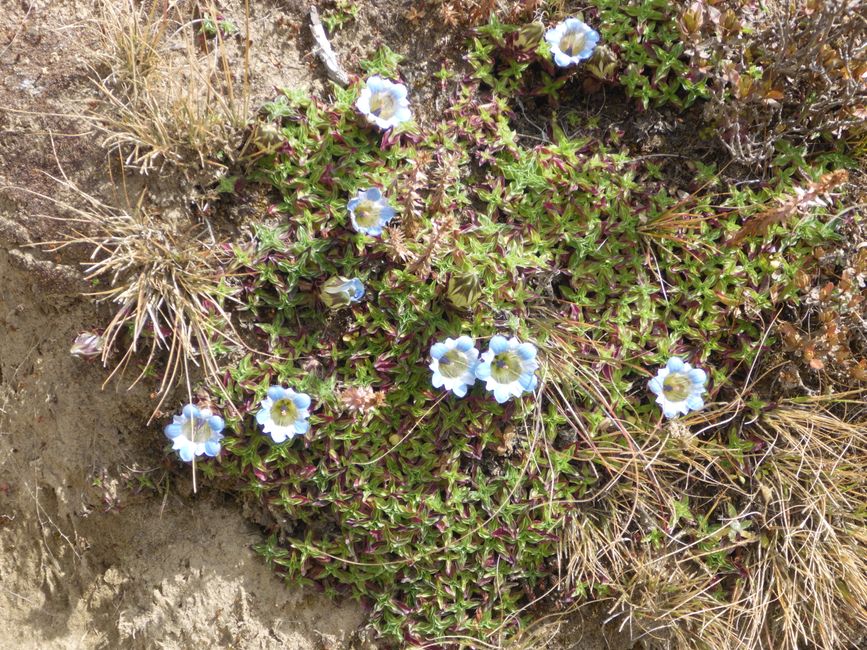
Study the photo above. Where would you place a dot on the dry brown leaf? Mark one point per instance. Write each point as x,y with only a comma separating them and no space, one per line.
760,223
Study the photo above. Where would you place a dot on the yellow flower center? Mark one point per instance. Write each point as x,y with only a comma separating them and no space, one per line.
284,412
676,387
367,213
453,364
382,104
506,367
572,43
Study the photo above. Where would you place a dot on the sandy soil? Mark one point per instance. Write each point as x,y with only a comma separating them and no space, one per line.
102,543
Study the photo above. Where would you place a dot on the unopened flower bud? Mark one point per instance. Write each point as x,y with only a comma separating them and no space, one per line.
87,345
338,292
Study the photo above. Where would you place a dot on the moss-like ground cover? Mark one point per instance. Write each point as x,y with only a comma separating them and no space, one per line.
451,518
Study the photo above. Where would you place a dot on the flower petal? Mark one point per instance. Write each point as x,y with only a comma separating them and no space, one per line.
502,393
526,351
363,102
216,423
301,400
437,350
554,34
186,451
695,402
670,410
464,343
498,344
527,381
358,290
697,376
264,415
674,364
212,447
172,431
562,60
276,392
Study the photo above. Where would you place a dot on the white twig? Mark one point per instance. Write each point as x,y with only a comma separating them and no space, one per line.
325,52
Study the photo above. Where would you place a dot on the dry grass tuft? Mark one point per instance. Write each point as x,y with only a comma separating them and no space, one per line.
167,94
787,513
666,602
808,573
164,274
167,97
131,45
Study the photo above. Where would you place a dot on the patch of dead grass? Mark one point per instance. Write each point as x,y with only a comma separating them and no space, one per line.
168,97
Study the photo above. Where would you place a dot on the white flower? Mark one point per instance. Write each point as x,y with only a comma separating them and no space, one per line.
195,432
571,41
509,368
678,388
384,103
454,364
370,212
284,414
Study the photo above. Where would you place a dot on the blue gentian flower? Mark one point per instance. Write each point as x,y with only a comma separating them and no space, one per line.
454,364
195,432
370,212
384,103
571,41
339,291
678,388
509,368
284,413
